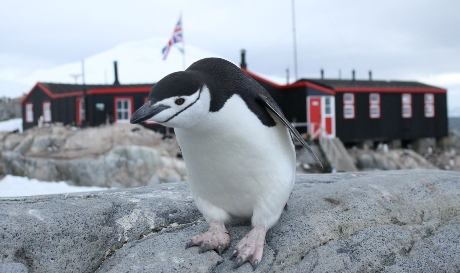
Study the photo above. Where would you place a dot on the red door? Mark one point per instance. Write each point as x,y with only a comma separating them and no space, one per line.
314,116
321,115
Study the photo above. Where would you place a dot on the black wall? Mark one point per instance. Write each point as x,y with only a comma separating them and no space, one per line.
98,117
391,124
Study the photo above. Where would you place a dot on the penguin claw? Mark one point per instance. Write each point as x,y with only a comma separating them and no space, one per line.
220,249
188,244
255,264
234,254
238,263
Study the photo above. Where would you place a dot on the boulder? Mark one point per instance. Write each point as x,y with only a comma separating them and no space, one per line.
118,155
393,221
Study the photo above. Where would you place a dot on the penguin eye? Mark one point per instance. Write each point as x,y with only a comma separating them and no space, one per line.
179,101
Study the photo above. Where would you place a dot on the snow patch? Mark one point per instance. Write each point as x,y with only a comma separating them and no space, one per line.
14,186
11,125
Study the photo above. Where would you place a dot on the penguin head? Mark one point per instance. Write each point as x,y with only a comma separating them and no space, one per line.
178,100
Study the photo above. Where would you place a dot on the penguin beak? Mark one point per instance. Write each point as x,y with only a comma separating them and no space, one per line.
146,112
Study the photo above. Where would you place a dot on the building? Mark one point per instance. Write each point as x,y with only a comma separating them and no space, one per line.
56,102
352,110
84,105
361,110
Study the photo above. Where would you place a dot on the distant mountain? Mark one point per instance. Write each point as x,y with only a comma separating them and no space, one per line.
138,62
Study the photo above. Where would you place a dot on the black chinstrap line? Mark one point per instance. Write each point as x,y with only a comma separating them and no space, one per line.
175,115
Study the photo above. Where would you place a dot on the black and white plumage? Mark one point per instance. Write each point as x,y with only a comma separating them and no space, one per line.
237,147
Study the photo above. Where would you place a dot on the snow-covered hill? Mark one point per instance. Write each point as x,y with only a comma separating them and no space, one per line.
138,62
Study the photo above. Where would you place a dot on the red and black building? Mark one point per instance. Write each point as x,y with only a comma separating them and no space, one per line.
359,110
84,105
352,110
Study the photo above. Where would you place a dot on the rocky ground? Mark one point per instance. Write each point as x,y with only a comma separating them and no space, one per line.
431,157
119,155
393,221
124,155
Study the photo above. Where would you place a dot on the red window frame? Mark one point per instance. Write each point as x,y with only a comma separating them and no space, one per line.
406,104
349,105
131,107
45,119
429,104
374,104
32,112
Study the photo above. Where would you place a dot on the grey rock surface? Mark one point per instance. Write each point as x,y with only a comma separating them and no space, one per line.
393,221
118,155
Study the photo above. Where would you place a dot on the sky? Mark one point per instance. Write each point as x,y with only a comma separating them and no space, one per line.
398,40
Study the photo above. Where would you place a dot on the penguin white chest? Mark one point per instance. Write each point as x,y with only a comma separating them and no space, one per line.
236,164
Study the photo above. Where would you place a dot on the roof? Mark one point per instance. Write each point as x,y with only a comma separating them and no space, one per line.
61,90
331,86
334,84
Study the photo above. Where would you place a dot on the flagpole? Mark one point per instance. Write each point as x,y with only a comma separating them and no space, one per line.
183,43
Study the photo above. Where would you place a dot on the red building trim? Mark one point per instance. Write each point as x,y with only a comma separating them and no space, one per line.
113,90
293,85
119,90
389,90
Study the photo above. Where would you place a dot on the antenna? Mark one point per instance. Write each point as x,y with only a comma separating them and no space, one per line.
295,43
75,76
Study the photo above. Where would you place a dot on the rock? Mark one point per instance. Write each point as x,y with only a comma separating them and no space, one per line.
394,221
108,156
366,161
13,268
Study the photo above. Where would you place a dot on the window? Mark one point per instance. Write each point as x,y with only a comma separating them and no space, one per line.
374,105
348,105
406,99
429,110
406,105
349,111
407,111
81,111
429,105
29,112
374,98
348,98
123,109
374,111
429,98
47,111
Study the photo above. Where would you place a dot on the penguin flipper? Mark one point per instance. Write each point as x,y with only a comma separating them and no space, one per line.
270,104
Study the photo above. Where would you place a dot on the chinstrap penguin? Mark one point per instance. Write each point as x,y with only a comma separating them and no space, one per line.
237,147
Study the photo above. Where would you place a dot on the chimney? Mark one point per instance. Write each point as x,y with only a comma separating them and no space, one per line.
370,75
353,75
115,68
322,74
243,64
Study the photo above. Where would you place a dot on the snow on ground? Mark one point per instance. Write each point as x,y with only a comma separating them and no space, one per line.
12,186
11,125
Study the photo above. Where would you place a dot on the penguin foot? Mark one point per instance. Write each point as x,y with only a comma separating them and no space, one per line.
250,248
216,238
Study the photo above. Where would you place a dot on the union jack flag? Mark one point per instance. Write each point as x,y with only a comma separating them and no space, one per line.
176,38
